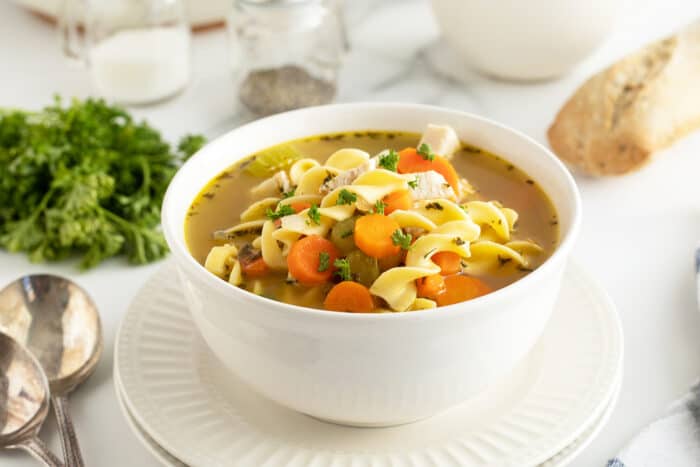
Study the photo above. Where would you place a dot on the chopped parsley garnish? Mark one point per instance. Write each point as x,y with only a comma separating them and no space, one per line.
458,241
425,152
346,197
379,207
289,194
323,261
314,214
346,234
413,183
434,205
343,269
282,210
402,239
389,161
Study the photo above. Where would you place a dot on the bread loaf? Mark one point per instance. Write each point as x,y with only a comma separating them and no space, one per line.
643,103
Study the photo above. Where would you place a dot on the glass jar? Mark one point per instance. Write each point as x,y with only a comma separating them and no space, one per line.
285,54
137,51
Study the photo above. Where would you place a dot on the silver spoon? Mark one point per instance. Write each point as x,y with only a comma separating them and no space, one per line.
57,321
24,401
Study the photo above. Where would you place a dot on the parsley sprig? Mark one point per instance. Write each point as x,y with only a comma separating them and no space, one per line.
425,152
346,197
379,206
281,211
402,239
84,179
389,161
323,261
314,215
343,269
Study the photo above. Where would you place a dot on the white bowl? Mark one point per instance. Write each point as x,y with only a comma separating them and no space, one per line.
370,369
525,40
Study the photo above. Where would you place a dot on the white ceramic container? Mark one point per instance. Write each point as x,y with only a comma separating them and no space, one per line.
370,369
525,40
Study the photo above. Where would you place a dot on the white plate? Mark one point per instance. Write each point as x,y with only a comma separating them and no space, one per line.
201,13
561,459
196,410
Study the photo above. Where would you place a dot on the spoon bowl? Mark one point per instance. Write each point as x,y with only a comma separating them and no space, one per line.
58,322
24,400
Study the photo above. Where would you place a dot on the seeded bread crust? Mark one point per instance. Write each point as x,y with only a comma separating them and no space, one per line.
643,103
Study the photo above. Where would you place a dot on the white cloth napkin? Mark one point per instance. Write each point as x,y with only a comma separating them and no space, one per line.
671,441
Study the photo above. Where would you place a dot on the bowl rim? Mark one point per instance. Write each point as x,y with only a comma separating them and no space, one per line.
560,253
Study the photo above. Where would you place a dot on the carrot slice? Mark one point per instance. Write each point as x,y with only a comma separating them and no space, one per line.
430,286
410,162
400,199
459,288
300,206
303,260
373,235
255,268
449,262
349,296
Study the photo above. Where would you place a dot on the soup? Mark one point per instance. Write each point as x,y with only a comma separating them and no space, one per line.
372,221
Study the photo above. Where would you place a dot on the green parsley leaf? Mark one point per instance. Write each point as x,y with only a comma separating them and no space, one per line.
323,261
425,152
389,161
314,214
343,269
346,197
413,183
402,239
288,194
84,178
282,210
379,207
346,234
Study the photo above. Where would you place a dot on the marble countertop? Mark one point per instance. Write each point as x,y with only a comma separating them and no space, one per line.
638,235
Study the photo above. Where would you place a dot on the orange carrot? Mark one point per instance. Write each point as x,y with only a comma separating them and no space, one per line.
304,260
459,288
410,162
349,296
255,268
300,206
400,199
449,262
430,286
373,235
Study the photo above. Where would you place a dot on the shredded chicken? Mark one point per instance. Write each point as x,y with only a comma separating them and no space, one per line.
432,185
348,176
442,139
273,186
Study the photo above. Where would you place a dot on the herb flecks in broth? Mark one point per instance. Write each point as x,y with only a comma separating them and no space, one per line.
438,216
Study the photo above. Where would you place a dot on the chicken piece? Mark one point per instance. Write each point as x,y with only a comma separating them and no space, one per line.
273,186
431,185
442,139
348,176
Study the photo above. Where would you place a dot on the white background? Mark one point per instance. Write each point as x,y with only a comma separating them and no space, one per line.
638,235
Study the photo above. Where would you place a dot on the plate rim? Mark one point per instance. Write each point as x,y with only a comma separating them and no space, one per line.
591,287
578,445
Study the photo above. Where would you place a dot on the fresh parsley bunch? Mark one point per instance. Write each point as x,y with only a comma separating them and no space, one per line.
84,179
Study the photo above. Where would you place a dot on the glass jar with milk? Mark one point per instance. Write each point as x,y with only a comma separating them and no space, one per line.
137,51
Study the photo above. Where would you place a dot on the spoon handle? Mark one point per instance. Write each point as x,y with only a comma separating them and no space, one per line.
38,449
71,449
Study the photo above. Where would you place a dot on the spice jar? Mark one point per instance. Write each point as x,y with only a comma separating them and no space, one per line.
285,54
137,51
